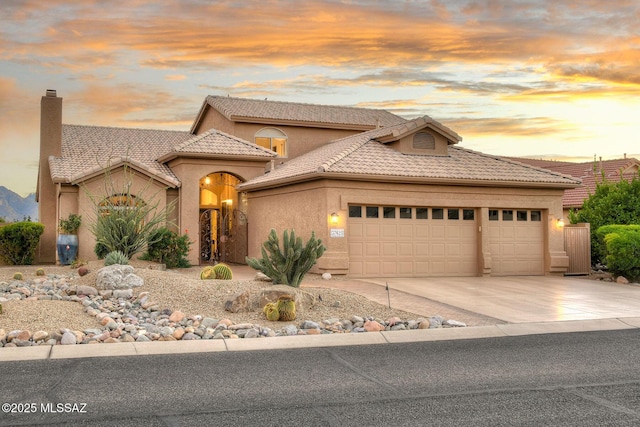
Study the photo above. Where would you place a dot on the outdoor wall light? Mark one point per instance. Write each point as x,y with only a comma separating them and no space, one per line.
560,222
334,218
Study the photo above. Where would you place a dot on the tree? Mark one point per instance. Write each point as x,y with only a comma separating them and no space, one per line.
612,203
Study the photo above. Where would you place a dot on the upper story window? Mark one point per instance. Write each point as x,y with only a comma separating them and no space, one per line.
272,139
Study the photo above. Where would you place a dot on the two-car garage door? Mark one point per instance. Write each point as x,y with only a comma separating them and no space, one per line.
435,241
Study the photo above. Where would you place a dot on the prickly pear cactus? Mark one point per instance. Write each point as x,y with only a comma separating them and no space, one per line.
207,273
271,311
222,271
287,309
18,276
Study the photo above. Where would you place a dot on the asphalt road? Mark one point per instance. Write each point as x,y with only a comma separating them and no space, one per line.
573,379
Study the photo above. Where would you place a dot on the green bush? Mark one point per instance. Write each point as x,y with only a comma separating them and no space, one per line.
169,248
19,241
116,257
600,234
623,251
289,264
100,250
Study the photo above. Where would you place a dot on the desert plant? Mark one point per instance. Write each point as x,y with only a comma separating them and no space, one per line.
271,312
18,242
0,308
207,273
222,271
286,308
71,224
169,248
40,272
288,265
116,257
18,276
125,221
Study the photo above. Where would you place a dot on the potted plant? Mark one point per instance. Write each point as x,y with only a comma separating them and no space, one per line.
67,239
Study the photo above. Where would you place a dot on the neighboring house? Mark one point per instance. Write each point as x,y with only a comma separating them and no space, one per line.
590,173
388,196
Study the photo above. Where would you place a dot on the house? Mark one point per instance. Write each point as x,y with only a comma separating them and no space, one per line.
590,173
388,196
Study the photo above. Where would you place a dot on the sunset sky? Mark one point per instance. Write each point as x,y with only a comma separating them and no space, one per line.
553,79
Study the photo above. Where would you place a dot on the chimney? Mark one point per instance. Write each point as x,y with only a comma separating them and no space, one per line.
50,145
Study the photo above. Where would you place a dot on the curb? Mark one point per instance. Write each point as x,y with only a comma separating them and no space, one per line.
313,341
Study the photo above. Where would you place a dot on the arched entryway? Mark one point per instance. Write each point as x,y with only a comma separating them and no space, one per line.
223,220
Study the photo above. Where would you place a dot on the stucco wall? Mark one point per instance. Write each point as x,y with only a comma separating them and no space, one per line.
308,206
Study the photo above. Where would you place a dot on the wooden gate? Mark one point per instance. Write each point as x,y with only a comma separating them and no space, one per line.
577,245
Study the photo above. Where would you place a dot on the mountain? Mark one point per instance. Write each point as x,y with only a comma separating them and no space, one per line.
14,207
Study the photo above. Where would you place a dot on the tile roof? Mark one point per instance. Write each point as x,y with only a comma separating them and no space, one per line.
86,150
591,173
217,142
242,109
362,156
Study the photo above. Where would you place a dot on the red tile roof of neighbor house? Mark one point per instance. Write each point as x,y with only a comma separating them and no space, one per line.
332,116
362,156
590,173
88,150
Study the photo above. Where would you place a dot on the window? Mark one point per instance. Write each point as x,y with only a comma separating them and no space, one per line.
453,213
388,212
422,213
355,211
437,213
522,215
272,139
405,213
468,214
493,214
536,216
372,212
507,215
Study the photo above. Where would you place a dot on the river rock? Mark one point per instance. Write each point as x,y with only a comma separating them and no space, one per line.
118,276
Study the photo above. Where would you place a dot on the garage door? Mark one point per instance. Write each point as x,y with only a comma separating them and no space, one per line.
412,241
516,242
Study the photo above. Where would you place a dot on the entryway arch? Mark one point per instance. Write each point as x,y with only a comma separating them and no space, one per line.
222,219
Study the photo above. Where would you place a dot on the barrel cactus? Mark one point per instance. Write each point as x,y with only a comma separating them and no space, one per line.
40,272
287,308
222,271
18,276
271,311
207,273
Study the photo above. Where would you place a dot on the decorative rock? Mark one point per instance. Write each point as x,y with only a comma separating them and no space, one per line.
326,276
454,323
68,338
177,316
118,277
123,293
86,290
40,336
373,326
260,276
622,280
189,337
239,303
302,298
83,271
308,324
178,333
208,322
23,335
435,322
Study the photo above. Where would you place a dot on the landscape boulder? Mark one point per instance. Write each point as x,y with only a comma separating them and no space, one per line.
273,293
117,276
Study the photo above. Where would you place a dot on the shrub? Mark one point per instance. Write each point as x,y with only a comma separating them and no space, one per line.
600,234
18,242
623,252
288,265
169,248
116,257
100,250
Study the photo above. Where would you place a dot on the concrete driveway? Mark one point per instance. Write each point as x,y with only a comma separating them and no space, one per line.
528,298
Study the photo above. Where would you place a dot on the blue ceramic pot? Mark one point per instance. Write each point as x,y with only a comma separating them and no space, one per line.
67,248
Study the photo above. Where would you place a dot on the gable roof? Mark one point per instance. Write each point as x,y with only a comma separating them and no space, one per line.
87,150
363,157
218,144
294,113
591,173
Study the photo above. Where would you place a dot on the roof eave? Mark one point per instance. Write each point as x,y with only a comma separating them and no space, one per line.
175,155
285,122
